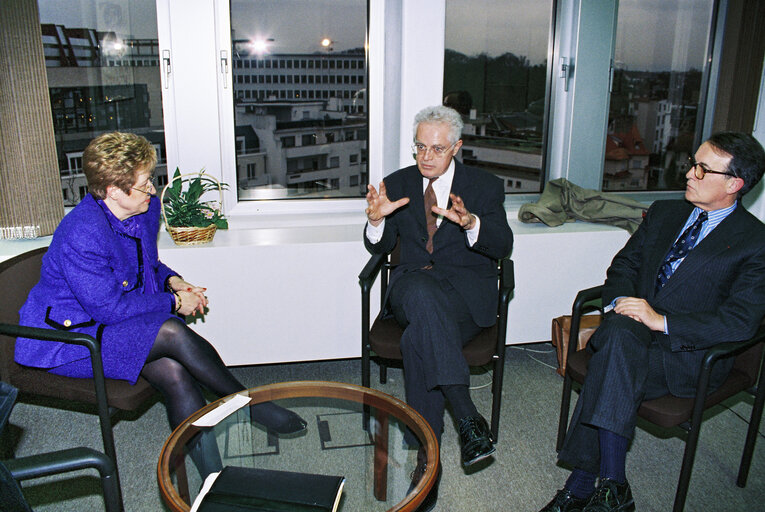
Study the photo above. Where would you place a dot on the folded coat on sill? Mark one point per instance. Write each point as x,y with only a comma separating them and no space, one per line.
562,201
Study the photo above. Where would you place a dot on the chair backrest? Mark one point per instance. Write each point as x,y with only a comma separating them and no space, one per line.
17,277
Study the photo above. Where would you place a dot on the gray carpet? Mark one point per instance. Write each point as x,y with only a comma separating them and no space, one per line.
522,477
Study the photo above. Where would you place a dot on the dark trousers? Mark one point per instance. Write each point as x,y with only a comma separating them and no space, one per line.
625,369
437,324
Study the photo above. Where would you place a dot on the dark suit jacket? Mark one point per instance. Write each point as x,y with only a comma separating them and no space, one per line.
717,294
471,271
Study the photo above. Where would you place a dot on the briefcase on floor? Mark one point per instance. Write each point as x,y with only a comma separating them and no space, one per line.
561,328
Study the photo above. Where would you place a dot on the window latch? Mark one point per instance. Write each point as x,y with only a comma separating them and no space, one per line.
224,67
566,70
166,67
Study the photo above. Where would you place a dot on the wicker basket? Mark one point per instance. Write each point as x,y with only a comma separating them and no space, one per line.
190,235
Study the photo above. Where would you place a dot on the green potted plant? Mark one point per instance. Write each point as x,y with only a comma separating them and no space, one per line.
188,218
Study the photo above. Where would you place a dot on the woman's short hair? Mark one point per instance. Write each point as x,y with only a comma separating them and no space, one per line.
116,158
441,114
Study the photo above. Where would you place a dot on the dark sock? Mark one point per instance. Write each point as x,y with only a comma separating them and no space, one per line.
613,455
581,483
459,399
276,418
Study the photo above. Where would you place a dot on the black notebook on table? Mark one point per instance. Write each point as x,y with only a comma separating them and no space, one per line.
238,489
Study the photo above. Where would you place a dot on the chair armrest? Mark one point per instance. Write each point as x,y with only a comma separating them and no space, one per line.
370,272
728,349
506,280
581,302
585,296
52,463
71,338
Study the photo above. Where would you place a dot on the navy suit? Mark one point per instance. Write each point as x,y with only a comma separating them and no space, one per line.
445,305
717,294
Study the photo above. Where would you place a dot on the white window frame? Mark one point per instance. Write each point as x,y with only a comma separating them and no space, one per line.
405,74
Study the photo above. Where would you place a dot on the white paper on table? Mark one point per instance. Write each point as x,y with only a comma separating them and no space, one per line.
209,481
225,409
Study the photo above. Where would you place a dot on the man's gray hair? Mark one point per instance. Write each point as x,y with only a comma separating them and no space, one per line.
440,114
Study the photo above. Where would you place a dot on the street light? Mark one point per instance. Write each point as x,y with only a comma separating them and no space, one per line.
260,46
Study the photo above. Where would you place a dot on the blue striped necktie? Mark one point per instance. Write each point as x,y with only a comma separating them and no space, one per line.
682,247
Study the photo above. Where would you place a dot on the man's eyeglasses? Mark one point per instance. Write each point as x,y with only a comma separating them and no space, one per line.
148,187
438,151
699,170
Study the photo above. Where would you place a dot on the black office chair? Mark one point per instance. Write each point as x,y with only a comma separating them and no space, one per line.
382,340
17,277
51,463
670,411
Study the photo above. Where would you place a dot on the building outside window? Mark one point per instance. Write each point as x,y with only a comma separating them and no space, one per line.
103,69
103,75
657,95
280,34
495,75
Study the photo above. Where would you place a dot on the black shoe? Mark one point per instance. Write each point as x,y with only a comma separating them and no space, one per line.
611,496
476,439
277,419
422,465
564,501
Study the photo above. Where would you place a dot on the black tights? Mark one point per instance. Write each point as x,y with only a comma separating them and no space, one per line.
180,360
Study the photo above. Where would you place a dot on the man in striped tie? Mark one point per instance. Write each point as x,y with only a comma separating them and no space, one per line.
451,227
691,276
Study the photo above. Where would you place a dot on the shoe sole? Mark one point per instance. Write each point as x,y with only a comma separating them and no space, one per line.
479,458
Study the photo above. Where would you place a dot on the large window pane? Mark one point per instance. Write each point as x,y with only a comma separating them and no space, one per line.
300,78
657,93
495,74
103,74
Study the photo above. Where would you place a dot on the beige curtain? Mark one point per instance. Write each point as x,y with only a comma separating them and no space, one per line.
31,203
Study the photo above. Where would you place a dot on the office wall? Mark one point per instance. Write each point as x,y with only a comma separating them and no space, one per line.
281,294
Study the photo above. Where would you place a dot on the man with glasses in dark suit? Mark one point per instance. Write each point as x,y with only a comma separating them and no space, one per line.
691,276
452,228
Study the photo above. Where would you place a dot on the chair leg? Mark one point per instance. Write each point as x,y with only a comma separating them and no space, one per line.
383,373
496,391
751,435
565,404
365,383
691,443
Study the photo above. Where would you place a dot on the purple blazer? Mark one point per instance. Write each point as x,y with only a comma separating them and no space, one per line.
101,276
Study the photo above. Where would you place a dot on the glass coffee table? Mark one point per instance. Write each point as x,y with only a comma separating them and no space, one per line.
354,432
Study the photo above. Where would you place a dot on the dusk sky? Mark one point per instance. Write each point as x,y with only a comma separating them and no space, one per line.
655,30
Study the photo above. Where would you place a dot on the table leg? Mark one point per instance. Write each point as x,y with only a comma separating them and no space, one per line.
182,483
381,457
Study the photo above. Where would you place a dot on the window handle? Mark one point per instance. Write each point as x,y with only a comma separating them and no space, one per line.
566,70
224,67
166,67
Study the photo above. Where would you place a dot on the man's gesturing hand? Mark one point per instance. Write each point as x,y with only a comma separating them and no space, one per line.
457,213
379,206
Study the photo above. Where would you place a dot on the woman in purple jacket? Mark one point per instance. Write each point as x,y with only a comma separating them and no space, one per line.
102,276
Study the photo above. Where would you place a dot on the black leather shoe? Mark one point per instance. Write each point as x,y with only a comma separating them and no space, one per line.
422,465
611,496
277,419
476,440
564,501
